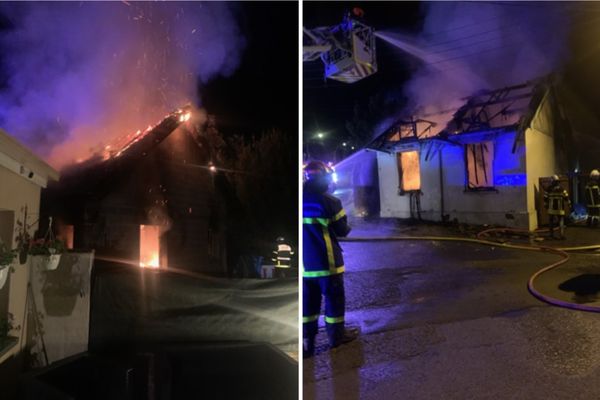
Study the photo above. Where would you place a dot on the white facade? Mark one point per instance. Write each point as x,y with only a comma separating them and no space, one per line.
511,201
22,177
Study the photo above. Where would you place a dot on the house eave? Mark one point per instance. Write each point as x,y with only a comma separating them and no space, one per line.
19,159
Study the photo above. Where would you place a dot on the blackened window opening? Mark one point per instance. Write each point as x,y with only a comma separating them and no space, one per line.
480,165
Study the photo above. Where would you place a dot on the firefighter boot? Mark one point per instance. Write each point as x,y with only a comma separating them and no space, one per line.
346,336
308,347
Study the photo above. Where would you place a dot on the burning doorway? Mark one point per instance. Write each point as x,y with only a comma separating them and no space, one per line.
150,246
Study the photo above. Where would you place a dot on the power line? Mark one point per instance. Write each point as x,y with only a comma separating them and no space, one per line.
464,26
471,44
556,19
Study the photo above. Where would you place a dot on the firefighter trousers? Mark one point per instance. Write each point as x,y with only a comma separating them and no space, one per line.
557,220
593,215
332,289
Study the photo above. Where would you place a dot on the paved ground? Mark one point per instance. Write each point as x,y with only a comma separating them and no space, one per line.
132,306
445,320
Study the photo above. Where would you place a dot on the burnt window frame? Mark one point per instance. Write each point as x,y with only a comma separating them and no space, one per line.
492,187
401,191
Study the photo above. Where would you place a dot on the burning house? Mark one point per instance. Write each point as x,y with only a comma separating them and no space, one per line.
149,199
483,163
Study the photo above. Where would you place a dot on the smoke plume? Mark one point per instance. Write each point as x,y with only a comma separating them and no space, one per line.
80,74
466,47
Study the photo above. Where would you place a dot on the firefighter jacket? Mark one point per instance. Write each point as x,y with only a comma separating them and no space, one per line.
282,257
592,194
323,220
556,198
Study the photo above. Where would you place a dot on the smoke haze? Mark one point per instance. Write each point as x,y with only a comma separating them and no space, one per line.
81,74
466,47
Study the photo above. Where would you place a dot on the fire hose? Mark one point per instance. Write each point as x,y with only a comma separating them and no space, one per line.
560,251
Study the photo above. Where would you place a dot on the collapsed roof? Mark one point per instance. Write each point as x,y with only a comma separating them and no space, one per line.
508,108
568,117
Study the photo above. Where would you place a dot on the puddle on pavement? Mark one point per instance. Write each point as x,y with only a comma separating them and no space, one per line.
585,288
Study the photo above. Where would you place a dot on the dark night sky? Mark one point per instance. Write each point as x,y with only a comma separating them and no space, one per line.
263,92
327,105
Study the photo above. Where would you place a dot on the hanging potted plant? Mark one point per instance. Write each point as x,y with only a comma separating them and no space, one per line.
6,258
45,253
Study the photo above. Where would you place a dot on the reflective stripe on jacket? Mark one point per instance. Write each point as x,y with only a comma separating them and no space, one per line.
283,256
555,198
592,195
323,220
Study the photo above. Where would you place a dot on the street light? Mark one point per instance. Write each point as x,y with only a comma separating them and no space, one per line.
315,142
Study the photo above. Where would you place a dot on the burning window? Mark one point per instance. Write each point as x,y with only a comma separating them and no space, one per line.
480,161
149,246
409,171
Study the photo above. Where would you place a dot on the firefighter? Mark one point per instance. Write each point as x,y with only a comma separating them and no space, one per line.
282,257
592,197
555,199
323,221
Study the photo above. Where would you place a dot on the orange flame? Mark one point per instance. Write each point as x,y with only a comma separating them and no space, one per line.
153,263
149,246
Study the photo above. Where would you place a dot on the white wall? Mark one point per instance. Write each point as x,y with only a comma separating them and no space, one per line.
506,205
392,205
62,297
540,155
509,196
16,192
395,205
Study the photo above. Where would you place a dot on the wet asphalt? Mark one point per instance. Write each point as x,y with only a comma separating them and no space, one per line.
446,320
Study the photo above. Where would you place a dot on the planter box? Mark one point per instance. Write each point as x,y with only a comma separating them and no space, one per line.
45,263
7,343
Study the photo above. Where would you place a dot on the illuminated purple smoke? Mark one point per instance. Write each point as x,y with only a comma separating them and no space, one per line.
465,47
81,73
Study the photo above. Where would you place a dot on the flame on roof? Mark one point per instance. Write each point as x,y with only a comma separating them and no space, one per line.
124,143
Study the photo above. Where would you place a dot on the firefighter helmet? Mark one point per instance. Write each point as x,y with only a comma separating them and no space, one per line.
595,174
555,178
317,170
